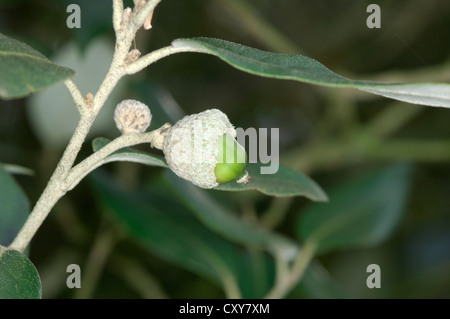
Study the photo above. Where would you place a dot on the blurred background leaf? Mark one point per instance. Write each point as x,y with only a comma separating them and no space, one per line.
24,70
318,283
164,227
14,208
185,236
222,221
361,213
19,278
53,114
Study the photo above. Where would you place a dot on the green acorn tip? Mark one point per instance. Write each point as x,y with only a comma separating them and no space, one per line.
231,159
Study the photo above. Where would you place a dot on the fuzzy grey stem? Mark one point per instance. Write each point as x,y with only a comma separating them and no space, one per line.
142,14
117,14
52,193
73,147
98,158
55,188
77,97
156,55
287,279
58,183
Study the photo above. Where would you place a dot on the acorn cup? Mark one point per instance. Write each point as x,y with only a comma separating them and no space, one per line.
202,149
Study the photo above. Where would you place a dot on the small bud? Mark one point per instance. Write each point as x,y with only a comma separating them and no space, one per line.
139,4
202,149
126,17
132,117
132,56
89,98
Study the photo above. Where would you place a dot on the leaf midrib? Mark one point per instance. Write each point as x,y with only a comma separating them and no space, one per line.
220,52
227,55
26,55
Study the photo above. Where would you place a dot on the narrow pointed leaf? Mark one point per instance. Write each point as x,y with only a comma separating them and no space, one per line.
128,154
304,69
162,225
285,182
221,220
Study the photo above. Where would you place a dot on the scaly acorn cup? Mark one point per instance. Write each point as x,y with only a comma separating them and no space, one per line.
202,149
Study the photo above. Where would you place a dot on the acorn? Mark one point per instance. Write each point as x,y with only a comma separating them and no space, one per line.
202,149
231,159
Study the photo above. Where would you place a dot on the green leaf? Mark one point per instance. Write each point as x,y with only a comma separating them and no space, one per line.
24,70
304,69
224,222
285,182
255,273
162,225
318,284
14,208
128,154
19,278
361,213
